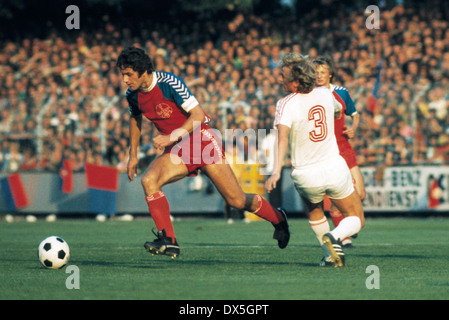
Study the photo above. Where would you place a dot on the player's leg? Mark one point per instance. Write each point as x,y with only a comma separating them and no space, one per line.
320,226
335,213
161,172
353,221
309,184
353,217
357,208
349,155
341,191
227,185
336,218
359,184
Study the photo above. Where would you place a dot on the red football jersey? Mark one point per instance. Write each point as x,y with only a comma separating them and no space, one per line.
167,103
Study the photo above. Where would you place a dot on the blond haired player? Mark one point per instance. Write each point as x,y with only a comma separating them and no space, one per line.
305,123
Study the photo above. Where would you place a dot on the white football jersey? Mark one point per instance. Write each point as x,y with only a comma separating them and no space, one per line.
310,118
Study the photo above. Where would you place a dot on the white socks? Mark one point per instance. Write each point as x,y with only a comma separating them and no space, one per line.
320,228
347,227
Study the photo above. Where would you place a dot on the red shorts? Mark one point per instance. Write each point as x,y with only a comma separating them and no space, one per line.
200,148
348,153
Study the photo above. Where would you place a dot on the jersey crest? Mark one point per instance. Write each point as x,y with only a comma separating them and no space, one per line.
164,111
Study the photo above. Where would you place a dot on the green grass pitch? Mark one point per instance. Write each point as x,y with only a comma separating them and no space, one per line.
221,261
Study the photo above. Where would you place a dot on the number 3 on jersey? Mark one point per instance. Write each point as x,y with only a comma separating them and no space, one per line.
317,114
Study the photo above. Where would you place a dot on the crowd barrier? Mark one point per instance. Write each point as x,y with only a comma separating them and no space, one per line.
392,189
406,189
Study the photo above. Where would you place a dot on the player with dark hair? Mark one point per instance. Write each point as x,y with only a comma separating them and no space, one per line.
188,145
325,72
305,123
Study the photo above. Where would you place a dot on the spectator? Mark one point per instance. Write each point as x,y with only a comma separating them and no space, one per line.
12,158
68,81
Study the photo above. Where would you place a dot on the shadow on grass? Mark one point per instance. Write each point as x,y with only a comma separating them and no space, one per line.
392,256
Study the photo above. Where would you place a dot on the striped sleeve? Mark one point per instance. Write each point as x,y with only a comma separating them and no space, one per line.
346,97
176,90
134,109
281,116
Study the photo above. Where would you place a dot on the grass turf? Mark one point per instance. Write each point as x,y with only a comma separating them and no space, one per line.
221,261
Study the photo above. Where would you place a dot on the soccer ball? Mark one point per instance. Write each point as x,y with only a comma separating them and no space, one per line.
53,252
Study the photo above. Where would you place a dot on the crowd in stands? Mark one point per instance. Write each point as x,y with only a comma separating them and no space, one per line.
62,96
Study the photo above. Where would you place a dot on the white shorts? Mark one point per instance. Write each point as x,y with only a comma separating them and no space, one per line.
331,178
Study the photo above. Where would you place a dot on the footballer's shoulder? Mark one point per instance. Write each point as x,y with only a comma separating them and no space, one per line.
129,92
287,98
340,88
164,76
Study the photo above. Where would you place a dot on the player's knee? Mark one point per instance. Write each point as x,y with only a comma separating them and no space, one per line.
237,202
244,202
148,182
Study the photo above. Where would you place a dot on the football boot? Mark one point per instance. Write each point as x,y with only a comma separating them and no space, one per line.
326,263
334,247
281,230
162,245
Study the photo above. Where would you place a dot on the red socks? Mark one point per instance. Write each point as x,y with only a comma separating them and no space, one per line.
336,217
160,212
267,212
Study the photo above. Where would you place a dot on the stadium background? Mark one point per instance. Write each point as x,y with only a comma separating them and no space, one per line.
62,98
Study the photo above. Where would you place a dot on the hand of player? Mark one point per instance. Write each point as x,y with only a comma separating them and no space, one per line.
348,132
270,184
162,141
132,168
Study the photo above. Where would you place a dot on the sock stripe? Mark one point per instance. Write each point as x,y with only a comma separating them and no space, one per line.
259,203
318,222
155,196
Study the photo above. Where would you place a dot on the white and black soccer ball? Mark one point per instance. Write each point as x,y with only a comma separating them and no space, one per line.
54,252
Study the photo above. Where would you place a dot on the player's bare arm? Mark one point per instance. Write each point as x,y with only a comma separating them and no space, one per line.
135,129
355,121
283,132
196,117
350,131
